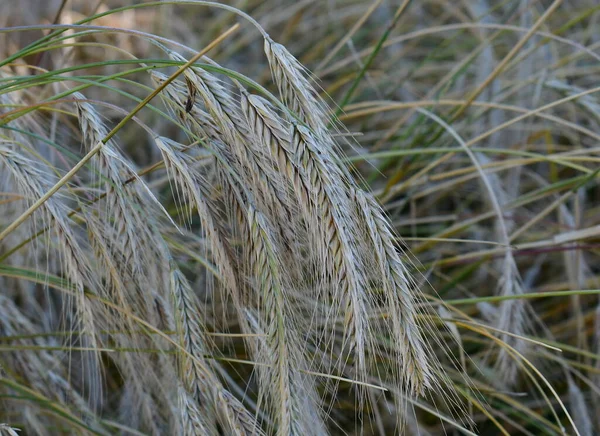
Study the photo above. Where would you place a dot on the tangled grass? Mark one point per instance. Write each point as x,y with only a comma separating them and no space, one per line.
225,258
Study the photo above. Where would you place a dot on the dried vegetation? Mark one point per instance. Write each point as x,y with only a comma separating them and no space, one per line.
204,242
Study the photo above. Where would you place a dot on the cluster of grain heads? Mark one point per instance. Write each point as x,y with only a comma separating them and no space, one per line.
31,367
315,149
245,281
305,260
308,258
130,258
134,255
32,179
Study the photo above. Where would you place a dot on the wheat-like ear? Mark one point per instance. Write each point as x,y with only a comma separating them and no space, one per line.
145,375
193,367
314,193
199,379
410,349
192,420
133,257
295,89
110,166
339,232
264,265
194,189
